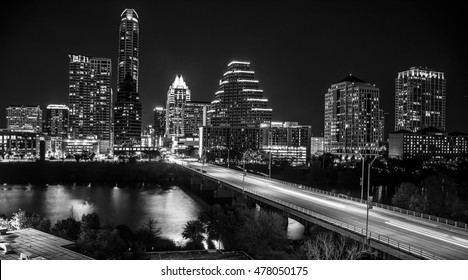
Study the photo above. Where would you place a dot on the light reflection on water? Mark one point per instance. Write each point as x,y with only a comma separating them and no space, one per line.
172,208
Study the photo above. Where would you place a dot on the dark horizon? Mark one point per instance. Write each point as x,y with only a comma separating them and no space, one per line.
297,50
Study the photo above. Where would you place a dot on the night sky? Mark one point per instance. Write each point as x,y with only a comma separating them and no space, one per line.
297,49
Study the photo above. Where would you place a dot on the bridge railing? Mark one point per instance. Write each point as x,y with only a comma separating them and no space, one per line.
380,205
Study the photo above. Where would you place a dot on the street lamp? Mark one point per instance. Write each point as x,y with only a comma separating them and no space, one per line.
362,176
369,198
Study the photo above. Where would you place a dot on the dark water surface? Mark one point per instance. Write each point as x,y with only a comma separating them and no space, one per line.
171,206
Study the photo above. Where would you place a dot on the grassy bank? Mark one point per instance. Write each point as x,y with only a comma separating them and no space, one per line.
87,172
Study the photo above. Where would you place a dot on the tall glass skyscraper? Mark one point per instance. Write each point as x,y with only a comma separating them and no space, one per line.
129,44
239,101
127,115
353,118
419,99
90,98
177,95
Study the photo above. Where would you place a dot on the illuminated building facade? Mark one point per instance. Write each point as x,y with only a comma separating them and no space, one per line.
129,45
316,146
24,118
236,139
427,144
287,142
419,99
177,96
159,121
18,144
90,99
195,116
127,115
239,101
353,118
56,123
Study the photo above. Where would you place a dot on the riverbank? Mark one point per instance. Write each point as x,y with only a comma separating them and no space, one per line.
84,173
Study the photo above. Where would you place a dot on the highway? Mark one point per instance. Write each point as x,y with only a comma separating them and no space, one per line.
444,241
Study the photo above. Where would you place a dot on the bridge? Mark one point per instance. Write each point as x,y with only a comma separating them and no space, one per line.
398,232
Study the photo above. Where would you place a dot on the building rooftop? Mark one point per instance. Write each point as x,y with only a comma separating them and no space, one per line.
352,79
430,130
37,245
199,255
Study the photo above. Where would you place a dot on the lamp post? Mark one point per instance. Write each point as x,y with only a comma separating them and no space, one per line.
269,165
243,173
369,198
362,176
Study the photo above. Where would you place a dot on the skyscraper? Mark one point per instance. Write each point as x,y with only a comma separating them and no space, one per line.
177,95
24,118
239,101
159,123
353,118
90,99
195,116
127,114
129,44
56,123
419,99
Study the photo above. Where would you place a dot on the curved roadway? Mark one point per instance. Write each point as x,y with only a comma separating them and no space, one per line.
442,240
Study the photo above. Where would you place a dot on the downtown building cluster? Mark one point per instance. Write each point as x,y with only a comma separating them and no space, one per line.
89,122
354,121
237,119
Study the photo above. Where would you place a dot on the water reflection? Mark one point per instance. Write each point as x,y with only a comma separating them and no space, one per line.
115,205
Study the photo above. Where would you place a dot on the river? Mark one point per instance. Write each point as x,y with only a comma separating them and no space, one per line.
172,207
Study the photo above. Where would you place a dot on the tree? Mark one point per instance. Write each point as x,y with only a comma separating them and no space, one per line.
90,222
402,197
68,228
262,233
102,244
149,233
194,230
22,220
332,246
19,220
442,194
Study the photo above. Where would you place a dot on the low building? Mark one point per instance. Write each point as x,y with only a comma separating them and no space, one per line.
19,145
24,118
32,244
80,146
427,144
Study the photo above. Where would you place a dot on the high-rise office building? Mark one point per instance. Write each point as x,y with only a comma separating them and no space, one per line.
287,142
353,118
56,123
129,45
195,116
239,101
177,96
419,99
159,122
24,118
90,99
127,114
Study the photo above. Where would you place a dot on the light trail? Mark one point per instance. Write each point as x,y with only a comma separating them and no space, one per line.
430,233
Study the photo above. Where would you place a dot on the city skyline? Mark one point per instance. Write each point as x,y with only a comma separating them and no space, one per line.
294,53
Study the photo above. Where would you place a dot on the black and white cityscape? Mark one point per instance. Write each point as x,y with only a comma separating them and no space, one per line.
257,130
